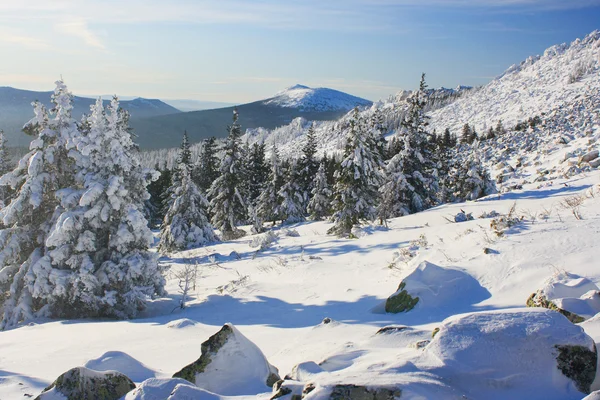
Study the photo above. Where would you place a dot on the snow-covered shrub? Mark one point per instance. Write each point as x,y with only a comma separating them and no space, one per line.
503,223
290,233
264,241
489,214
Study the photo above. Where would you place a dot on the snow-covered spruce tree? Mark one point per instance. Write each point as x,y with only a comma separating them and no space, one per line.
355,191
257,172
5,167
319,205
472,180
418,154
394,192
97,262
308,165
292,195
28,218
207,168
185,225
226,202
159,192
269,201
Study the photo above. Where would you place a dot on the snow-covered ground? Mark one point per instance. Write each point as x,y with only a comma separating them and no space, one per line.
279,297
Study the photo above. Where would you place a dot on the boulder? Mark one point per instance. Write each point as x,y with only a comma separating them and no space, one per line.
463,217
432,287
154,389
574,296
593,396
514,353
122,362
592,155
230,365
86,384
594,163
354,392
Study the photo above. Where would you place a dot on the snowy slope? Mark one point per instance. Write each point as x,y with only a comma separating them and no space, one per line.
563,74
277,298
316,99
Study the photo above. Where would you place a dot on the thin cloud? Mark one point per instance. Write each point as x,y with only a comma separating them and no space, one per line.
25,41
79,28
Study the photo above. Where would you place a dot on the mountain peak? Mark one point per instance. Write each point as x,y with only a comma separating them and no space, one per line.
308,99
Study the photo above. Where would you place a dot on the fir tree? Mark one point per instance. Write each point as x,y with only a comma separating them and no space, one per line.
395,191
29,216
159,195
269,201
207,169
308,166
500,128
418,155
5,168
447,140
257,170
355,191
185,225
292,195
319,205
472,180
227,203
97,261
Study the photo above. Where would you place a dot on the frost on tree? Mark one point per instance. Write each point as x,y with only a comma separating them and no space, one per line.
28,218
99,243
472,180
319,205
185,225
269,201
5,168
227,203
292,196
308,166
77,220
357,181
394,192
418,154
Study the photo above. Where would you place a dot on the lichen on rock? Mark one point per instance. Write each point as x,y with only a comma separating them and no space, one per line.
537,299
85,384
577,363
400,301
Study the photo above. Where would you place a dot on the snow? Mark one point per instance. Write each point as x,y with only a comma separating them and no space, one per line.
315,99
292,287
311,304
237,368
513,351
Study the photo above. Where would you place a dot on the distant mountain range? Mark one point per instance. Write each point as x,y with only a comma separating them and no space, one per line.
16,110
319,104
160,125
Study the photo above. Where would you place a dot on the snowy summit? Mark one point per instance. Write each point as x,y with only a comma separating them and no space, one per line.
316,99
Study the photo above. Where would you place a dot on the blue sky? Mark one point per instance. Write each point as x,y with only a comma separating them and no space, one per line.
243,50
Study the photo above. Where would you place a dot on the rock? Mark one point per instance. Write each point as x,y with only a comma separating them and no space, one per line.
432,287
579,364
593,396
592,155
594,163
353,392
420,344
400,301
515,351
392,329
576,297
122,362
539,300
154,389
288,389
463,217
230,365
85,384
182,323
